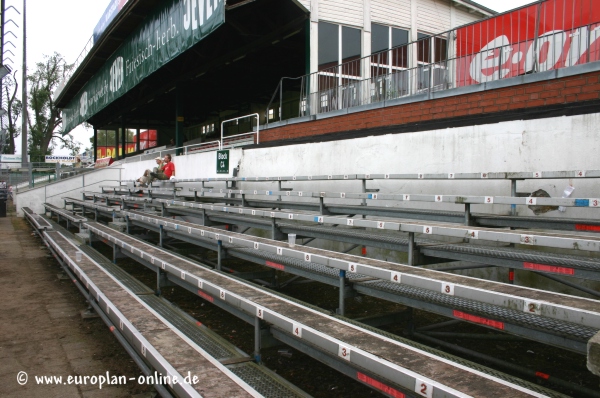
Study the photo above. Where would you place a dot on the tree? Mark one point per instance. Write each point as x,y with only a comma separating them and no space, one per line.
13,111
44,118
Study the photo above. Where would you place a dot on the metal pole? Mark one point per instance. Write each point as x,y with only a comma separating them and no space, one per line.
467,214
411,248
96,144
513,193
280,98
342,309
256,339
219,254
178,118
24,151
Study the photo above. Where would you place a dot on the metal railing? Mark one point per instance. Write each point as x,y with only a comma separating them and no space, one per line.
68,73
544,36
233,138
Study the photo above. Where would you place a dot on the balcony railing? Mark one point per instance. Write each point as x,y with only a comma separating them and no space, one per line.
547,35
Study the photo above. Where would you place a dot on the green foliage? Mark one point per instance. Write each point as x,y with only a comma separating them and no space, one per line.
13,110
44,119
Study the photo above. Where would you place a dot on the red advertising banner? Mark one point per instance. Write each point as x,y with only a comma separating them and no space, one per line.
148,139
104,162
567,31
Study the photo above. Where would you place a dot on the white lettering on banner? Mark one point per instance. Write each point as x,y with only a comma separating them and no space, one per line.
486,59
194,12
499,58
170,33
143,54
83,104
116,74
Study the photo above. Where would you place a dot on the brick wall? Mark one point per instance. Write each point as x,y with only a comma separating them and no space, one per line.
565,90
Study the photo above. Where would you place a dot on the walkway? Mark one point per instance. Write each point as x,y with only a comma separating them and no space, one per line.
41,330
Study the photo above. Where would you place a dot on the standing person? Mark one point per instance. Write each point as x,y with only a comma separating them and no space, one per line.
168,170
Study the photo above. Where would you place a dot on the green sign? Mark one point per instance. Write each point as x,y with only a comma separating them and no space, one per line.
223,162
173,28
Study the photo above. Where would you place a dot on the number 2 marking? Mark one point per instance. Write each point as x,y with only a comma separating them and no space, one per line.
532,307
423,388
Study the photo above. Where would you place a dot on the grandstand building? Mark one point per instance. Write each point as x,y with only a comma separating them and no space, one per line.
429,155
185,67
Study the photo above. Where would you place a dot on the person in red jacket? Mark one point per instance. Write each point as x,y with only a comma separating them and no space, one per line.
167,171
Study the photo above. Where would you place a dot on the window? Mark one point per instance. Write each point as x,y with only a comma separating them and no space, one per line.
329,42
271,114
148,139
105,140
130,140
431,57
339,65
431,47
389,61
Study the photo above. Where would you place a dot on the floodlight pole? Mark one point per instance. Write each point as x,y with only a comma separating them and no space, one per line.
2,6
24,94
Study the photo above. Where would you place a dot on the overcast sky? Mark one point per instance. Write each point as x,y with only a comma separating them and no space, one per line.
65,26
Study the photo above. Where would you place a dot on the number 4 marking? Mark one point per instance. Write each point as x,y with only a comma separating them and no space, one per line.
423,388
531,201
473,234
297,330
396,277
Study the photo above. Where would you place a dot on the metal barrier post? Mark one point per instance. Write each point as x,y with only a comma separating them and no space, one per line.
256,339
342,294
219,254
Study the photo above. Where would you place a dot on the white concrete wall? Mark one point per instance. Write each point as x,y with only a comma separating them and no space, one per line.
70,187
196,165
561,143
552,144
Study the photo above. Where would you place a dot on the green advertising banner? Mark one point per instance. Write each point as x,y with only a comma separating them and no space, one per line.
173,28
